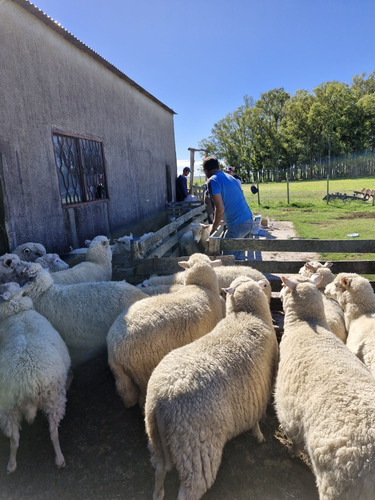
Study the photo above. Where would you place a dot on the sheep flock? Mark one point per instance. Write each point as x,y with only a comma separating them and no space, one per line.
198,353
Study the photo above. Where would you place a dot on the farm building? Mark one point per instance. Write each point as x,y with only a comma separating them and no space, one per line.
84,150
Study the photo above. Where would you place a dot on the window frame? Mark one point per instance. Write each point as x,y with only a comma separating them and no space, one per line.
82,176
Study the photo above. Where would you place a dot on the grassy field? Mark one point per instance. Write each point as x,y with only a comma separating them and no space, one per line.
312,217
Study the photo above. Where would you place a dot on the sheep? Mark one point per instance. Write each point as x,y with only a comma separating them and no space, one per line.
140,337
96,267
123,245
81,312
325,398
205,393
313,267
8,264
333,311
194,240
29,252
225,275
52,262
8,290
34,366
356,296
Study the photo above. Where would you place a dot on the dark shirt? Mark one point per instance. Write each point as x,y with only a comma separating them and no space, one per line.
181,188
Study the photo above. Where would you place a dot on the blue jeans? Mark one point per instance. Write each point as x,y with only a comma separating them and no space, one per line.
239,231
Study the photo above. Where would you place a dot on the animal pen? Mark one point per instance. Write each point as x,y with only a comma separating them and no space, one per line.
164,259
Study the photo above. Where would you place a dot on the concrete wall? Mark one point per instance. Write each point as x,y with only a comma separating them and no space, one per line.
49,84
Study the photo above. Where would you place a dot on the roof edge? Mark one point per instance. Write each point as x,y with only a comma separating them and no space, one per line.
35,11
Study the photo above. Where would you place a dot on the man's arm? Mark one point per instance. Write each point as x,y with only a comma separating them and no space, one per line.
219,212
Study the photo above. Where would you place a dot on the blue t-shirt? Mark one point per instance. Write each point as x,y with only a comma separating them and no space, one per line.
236,208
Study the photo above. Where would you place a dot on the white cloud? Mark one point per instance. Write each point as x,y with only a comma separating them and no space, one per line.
198,170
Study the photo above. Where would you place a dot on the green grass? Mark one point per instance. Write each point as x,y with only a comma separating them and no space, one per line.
312,217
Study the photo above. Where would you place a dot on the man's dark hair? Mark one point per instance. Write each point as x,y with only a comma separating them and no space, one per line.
210,163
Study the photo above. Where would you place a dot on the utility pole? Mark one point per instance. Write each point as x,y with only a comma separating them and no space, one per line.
192,152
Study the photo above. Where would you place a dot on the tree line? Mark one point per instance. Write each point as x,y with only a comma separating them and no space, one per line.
280,132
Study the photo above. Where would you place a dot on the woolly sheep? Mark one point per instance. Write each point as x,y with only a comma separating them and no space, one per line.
325,398
52,262
29,252
82,312
225,275
333,311
140,337
96,267
203,394
194,240
34,365
8,290
324,270
123,245
8,264
356,296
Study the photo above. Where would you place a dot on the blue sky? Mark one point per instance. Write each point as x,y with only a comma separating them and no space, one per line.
200,57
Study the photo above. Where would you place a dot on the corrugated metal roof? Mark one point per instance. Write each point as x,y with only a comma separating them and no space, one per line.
32,9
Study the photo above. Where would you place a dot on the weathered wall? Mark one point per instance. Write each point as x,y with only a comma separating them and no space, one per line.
48,83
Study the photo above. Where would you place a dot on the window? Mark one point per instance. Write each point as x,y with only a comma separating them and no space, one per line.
80,167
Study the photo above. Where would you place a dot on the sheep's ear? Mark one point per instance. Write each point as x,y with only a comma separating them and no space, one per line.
7,262
229,291
309,267
263,283
206,226
87,242
289,283
184,264
346,281
316,279
105,243
328,264
216,263
26,251
116,240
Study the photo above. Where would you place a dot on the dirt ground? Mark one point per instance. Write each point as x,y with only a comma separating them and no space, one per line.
105,449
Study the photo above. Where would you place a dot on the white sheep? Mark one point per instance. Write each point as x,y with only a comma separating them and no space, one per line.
52,262
96,267
225,275
356,296
325,398
82,312
8,290
123,245
140,337
194,240
8,265
333,311
34,365
203,394
29,252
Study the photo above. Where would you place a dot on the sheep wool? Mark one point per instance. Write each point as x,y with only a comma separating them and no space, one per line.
96,267
325,398
143,335
34,364
205,393
82,312
225,276
356,296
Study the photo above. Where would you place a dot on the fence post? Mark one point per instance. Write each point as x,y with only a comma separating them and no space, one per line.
287,187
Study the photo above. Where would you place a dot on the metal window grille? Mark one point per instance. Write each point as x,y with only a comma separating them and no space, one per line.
80,168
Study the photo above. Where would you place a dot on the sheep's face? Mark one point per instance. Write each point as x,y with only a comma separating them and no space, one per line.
198,230
348,288
124,243
29,252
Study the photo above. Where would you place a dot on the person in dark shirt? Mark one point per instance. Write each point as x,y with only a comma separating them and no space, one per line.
181,185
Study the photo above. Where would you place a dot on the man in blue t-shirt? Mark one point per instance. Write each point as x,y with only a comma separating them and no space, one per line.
229,202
